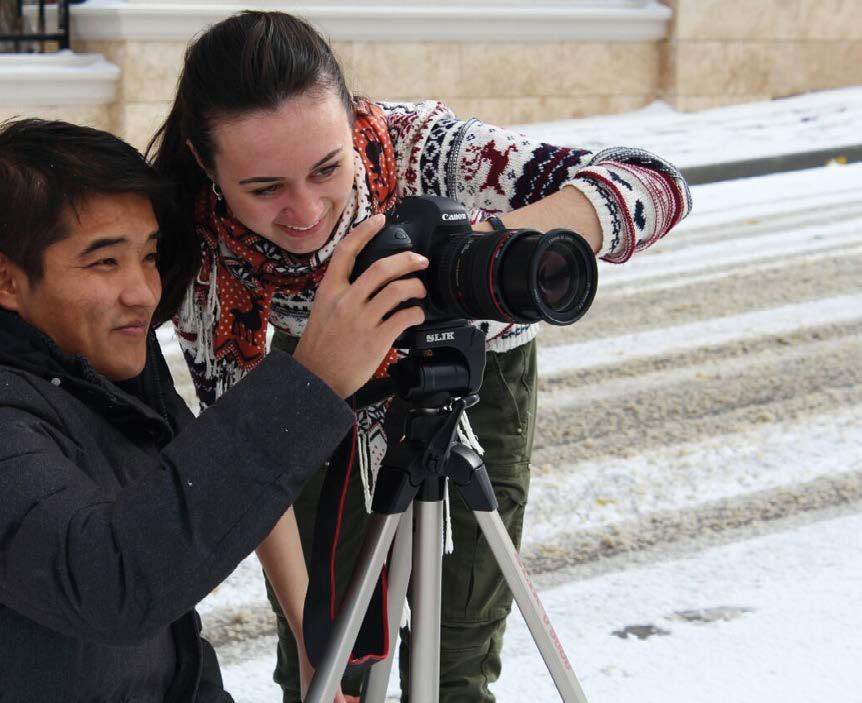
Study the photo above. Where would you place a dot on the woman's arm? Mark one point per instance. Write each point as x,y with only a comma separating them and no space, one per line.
282,559
636,196
281,556
567,208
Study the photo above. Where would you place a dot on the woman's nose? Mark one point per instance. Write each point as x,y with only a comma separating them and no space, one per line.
302,209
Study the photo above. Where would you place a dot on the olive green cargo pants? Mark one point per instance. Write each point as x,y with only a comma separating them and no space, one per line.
475,597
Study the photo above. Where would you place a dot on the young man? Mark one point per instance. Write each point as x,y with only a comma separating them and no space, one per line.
118,510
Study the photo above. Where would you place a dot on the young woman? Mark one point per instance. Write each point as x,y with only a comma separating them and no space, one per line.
275,163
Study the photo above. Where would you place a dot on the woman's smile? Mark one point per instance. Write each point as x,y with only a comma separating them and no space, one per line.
303,232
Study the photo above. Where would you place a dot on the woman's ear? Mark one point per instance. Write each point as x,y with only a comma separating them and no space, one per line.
9,287
199,160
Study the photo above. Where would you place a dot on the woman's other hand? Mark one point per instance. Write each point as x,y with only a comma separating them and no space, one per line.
350,329
306,673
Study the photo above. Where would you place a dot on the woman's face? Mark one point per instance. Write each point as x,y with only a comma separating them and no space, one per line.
288,173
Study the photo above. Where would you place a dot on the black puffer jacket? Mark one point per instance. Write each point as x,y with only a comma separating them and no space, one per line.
114,524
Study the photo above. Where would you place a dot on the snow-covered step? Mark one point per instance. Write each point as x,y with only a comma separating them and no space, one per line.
680,478
684,265
566,358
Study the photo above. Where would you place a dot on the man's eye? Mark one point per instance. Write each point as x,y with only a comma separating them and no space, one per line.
152,257
104,263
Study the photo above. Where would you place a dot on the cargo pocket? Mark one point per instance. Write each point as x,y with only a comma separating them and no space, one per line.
504,418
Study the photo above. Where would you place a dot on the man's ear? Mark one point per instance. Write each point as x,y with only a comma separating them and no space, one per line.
198,159
9,284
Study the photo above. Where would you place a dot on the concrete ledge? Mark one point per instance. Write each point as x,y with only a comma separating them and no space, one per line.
589,20
64,78
780,163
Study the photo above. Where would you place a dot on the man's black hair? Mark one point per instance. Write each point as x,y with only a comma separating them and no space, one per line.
48,170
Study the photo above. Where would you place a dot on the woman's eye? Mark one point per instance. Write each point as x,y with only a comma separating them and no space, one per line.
152,257
327,171
269,190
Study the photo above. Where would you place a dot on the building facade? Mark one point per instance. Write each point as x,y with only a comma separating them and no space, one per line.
503,61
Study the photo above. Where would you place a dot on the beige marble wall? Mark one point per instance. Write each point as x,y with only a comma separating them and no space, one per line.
719,52
509,83
148,79
724,51
501,83
149,70
798,20
137,122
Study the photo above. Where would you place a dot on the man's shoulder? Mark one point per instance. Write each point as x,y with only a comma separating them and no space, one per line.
26,392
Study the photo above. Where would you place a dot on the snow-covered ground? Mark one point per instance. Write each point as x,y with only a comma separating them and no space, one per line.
716,383
771,619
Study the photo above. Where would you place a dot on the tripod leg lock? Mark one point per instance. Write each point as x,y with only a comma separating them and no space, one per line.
466,470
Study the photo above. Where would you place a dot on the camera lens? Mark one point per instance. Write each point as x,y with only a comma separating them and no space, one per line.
519,276
554,277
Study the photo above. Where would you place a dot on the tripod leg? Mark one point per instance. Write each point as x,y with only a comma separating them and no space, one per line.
381,531
399,579
426,611
531,607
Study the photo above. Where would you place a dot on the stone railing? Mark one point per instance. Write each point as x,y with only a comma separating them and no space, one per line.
28,28
75,87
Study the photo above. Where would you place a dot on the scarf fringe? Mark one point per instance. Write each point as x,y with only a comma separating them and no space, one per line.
448,539
467,437
367,471
405,616
202,322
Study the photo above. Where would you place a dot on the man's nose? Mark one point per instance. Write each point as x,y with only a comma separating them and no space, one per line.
142,287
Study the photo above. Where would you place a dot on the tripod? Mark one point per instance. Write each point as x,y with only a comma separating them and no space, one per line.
439,379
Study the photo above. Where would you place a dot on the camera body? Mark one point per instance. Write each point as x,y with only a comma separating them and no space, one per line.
516,276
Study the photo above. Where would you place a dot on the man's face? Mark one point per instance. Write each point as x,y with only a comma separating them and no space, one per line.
100,285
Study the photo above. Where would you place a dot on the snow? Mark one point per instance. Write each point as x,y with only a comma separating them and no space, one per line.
616,350
800,640
684,476
793,603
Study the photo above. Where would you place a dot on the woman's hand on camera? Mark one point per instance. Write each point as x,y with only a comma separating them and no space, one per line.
351,330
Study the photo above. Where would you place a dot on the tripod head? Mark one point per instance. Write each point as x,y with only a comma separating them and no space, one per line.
438,379
445,360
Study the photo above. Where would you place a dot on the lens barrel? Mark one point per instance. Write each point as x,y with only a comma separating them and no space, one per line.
521,276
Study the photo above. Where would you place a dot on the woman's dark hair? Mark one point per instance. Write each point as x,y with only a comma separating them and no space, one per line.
248,62
48,168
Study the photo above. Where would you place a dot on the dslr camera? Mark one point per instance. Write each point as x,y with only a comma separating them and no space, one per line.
519,276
